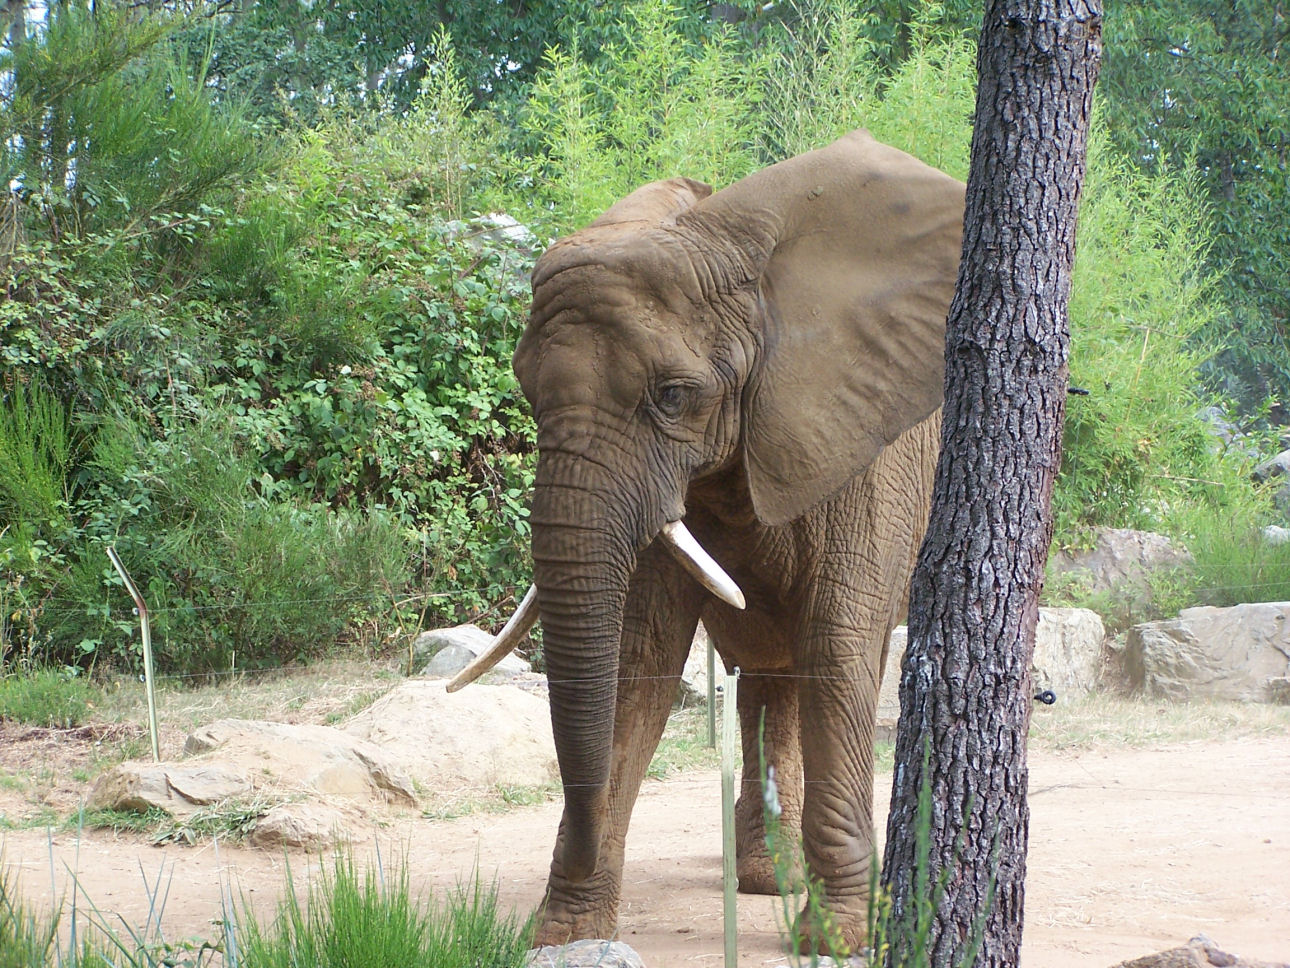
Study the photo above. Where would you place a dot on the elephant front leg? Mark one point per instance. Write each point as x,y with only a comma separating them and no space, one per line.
837,812
769,723
660,618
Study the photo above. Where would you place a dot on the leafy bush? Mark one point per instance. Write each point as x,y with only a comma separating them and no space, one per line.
45,697
662,103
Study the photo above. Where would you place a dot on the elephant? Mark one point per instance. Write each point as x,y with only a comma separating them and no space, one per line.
737,397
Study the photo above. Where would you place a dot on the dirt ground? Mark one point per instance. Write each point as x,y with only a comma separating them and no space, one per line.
1132,851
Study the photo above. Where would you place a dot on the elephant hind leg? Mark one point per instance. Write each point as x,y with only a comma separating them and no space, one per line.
772,868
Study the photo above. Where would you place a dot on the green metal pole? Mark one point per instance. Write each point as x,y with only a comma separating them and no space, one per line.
729,882
147,650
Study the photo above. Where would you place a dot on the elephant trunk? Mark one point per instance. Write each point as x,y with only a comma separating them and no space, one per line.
582,561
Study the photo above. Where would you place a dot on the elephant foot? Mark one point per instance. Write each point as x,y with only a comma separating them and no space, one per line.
758,875
820,929
560,923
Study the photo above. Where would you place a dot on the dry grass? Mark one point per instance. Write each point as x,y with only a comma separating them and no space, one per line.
1101,721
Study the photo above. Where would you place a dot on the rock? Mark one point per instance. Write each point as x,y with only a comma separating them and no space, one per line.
1279,690
1212,653
1276,535
442,653
585,954
308,826
1119,558
1069,651
1278,466
694,678
462,742
1199,952
179,789
301,758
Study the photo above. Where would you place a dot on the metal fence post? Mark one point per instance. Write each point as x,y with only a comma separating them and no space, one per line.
146,632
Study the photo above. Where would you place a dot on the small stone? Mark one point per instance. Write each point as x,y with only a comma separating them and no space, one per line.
585,954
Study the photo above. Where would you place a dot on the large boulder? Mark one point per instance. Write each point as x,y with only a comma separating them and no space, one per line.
1119,560
287,759
1232,653
468,742
442,653
1069,652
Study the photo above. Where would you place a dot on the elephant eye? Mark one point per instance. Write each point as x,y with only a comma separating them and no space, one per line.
671,399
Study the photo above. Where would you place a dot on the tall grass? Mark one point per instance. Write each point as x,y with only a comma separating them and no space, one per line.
348,920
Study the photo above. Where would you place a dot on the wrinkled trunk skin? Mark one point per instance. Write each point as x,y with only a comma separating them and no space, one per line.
582,560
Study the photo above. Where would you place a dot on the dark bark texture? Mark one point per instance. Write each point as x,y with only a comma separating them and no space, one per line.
965,688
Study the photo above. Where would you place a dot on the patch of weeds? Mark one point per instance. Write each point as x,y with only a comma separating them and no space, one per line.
54,698
44,817
501,799
1101,721
371,920
229,820
684,745
122,821
354,705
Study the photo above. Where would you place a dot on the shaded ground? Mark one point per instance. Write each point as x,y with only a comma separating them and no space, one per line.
1132,851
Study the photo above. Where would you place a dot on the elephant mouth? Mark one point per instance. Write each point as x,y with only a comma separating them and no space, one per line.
676,537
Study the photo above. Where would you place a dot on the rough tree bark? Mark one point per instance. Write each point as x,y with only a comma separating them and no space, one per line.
965,689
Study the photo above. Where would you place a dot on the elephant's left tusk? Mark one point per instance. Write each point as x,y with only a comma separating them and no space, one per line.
699,563
508,638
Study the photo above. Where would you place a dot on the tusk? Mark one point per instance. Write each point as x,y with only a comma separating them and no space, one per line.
699,563
508,638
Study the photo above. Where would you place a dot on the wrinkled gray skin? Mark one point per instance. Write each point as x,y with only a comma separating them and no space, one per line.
765,363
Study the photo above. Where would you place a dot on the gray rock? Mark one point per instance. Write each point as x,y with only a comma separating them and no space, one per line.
442,653
585,954
302,758
1212,653
1069,653
306,826
179,789
1276,535
470,741
1119,558
1199,952
1278,466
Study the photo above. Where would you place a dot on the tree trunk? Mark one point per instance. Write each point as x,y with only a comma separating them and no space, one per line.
965,689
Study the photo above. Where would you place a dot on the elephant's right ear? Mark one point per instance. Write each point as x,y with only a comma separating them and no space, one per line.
851,254
659,201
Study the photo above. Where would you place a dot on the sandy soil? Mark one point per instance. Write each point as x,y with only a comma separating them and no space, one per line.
1132,851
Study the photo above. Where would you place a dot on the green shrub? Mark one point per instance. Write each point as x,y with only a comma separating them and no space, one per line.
662,103
45,697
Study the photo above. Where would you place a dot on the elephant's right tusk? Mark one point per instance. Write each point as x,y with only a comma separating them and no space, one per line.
507,639
699,564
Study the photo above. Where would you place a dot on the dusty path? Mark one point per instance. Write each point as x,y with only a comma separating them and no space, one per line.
1132,851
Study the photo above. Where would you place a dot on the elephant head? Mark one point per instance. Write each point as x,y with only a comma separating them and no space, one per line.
791,325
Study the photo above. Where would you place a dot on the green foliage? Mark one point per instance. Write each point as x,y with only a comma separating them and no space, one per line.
659,104
831,73
36,445
45,697
1203,86
1135,447
350,920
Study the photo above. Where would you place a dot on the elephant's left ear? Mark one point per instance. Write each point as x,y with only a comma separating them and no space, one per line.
854,250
